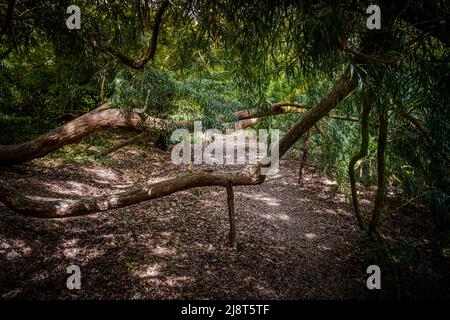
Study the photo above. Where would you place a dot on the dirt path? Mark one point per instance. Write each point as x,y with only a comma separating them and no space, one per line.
294,242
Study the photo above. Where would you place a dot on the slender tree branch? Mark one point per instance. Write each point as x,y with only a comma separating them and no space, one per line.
381,167
365,57
361,154
150,51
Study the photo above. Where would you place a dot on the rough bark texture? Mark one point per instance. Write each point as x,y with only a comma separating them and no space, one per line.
73,131
361,154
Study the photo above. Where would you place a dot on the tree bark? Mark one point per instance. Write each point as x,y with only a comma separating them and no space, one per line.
73,131
381,167
104,118
361,154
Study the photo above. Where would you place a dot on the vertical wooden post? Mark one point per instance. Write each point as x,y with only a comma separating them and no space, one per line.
231,214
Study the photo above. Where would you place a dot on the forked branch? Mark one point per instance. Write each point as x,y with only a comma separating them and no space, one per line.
150,50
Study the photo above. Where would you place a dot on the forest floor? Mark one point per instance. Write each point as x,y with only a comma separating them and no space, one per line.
294,242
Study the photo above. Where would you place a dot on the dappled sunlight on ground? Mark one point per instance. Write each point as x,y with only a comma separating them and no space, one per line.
102,175
293,241
267,200
173,247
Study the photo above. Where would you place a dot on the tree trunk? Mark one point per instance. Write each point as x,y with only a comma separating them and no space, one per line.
381,167
361,154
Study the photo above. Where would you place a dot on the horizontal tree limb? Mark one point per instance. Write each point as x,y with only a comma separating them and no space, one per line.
251,175
365,57
99,119
27,206
73,131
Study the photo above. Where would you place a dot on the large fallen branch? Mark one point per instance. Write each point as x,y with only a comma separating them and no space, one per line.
73,131
99,119
25,205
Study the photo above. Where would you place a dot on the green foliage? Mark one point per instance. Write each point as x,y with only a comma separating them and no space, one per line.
151,89
217,57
